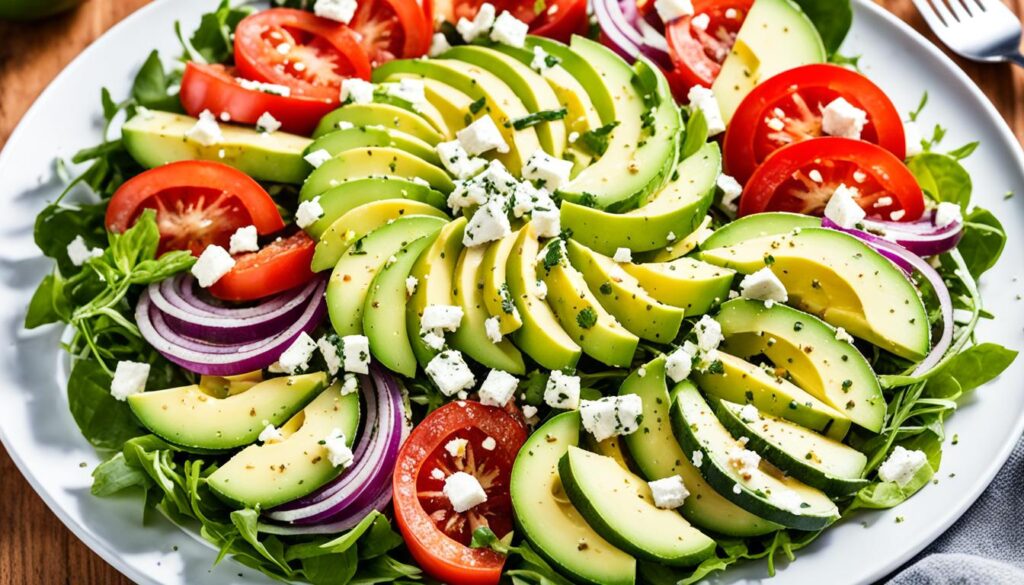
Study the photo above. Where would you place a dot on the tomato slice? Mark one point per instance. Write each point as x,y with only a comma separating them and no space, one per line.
795,98
279,266
309,54
436,535
452,10
392,29
215,88
197,203
697,53
561,19
789,180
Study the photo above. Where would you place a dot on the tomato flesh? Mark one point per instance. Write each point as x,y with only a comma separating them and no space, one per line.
392,29
437,536
279,266
561,19
698,53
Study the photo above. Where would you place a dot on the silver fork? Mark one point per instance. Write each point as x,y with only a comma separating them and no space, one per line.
980,30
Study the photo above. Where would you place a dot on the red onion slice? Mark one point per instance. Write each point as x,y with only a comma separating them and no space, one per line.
336,526
620,34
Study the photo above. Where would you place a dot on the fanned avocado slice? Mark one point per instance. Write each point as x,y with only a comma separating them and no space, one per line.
434,272
366,136
384,115
352,193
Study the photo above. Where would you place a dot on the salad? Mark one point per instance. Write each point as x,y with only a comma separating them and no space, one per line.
528,292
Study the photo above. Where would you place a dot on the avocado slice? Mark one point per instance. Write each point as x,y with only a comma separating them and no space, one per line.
471,337
351,278
758,225
550,522
434,271
374,161
500,102
452,104
581,315
425,110
690,284
678,248
364,136
355,224
497,297
806,348
384,310
775,36
224,386
619,506
658,455
842,280
157,138
337,201
763,491
817,461
586,73
611,447
670,215
744,383
531,88
376,114
191,417
645,140
622,296
541,336
272,474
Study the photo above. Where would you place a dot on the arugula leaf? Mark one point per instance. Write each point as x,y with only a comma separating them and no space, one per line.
920,107
152,86
596,140
977,365
695,135
982,242
535,118
115,475
212,40
832,18
964,151
942,177
525,562
104,421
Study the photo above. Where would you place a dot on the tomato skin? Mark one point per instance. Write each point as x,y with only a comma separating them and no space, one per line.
698,54
440,555
561,19
838,159
198,203
214,88
279,266
309,54
392,29
803,89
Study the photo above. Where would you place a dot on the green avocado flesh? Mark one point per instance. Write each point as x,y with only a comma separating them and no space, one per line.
274,473
337,201
377,161
366,136
384,115
193,417
548,519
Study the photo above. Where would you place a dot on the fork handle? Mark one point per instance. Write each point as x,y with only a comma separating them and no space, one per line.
1017,58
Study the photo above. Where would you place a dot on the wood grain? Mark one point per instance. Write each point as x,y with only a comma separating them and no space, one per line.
35,548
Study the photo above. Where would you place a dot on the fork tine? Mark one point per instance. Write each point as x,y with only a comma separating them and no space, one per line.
985,5
960,11
934,20
943,12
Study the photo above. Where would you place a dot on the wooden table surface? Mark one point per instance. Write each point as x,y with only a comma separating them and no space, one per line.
35,548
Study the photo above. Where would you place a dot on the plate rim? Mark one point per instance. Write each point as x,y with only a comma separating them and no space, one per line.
969,495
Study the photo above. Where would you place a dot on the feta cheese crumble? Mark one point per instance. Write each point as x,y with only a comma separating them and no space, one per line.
438,45
749,413
670,10
842,335
843,119
356,91
549,171
843,209
245,239
338,451
669,493
901,466
408,90
212,264
269,88
267,123
329,351
296,357
481,136
437,317
703,99
129,378
623,255
498,388
339,10
488,224
355,354
492,327
913,138
788,500
206,130
489,444
547,220
457,161
317,158
463,491
709,334
79,253
763,285
270,434
947,213
411,284
562,391
731,191
697,458
678,365
509,30
349,385
612,416
449,372
308,212
456,447
744,461
481,23
542,61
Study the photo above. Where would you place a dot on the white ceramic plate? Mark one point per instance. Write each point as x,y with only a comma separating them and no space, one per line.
42,438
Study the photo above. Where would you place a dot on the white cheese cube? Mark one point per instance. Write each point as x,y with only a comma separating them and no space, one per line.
271,88
339,10
349,385
843,209
703,99
481,136
541,292
492,327
267,123
79,253
542,61
309,212
355,353
296,357
709,334
356,91
731,191
669,493
749,413
411,283
481,23
467,194
456,447
623,255
697,458
206,130
317,158
338,452
345,125
498,388
457,161
524,197
330,353
270,434
497,179
763,285
612,416
408,90
529,411
678,365
843,119
744,461
842,335
547,222
947,213
562,391
463,491
129,378
670,10
437,317
212,264
245,239
438,44
488,224
901,465
432,339
788,500
551,172
449,372
509,30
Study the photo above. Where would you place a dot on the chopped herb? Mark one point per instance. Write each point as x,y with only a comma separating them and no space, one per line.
478,105
586,318
537,117
596,140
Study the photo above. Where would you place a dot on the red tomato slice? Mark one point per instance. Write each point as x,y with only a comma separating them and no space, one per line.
795,98
453,10
698,53
392,29
279,266
788,180
561,19
436,535
309,54
215,88
197,203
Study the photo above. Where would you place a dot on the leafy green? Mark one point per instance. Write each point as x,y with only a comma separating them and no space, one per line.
586,318
696,134
832,18
982,242
106,422
212,41
152,86
535,118
596,140
942,177
524,564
